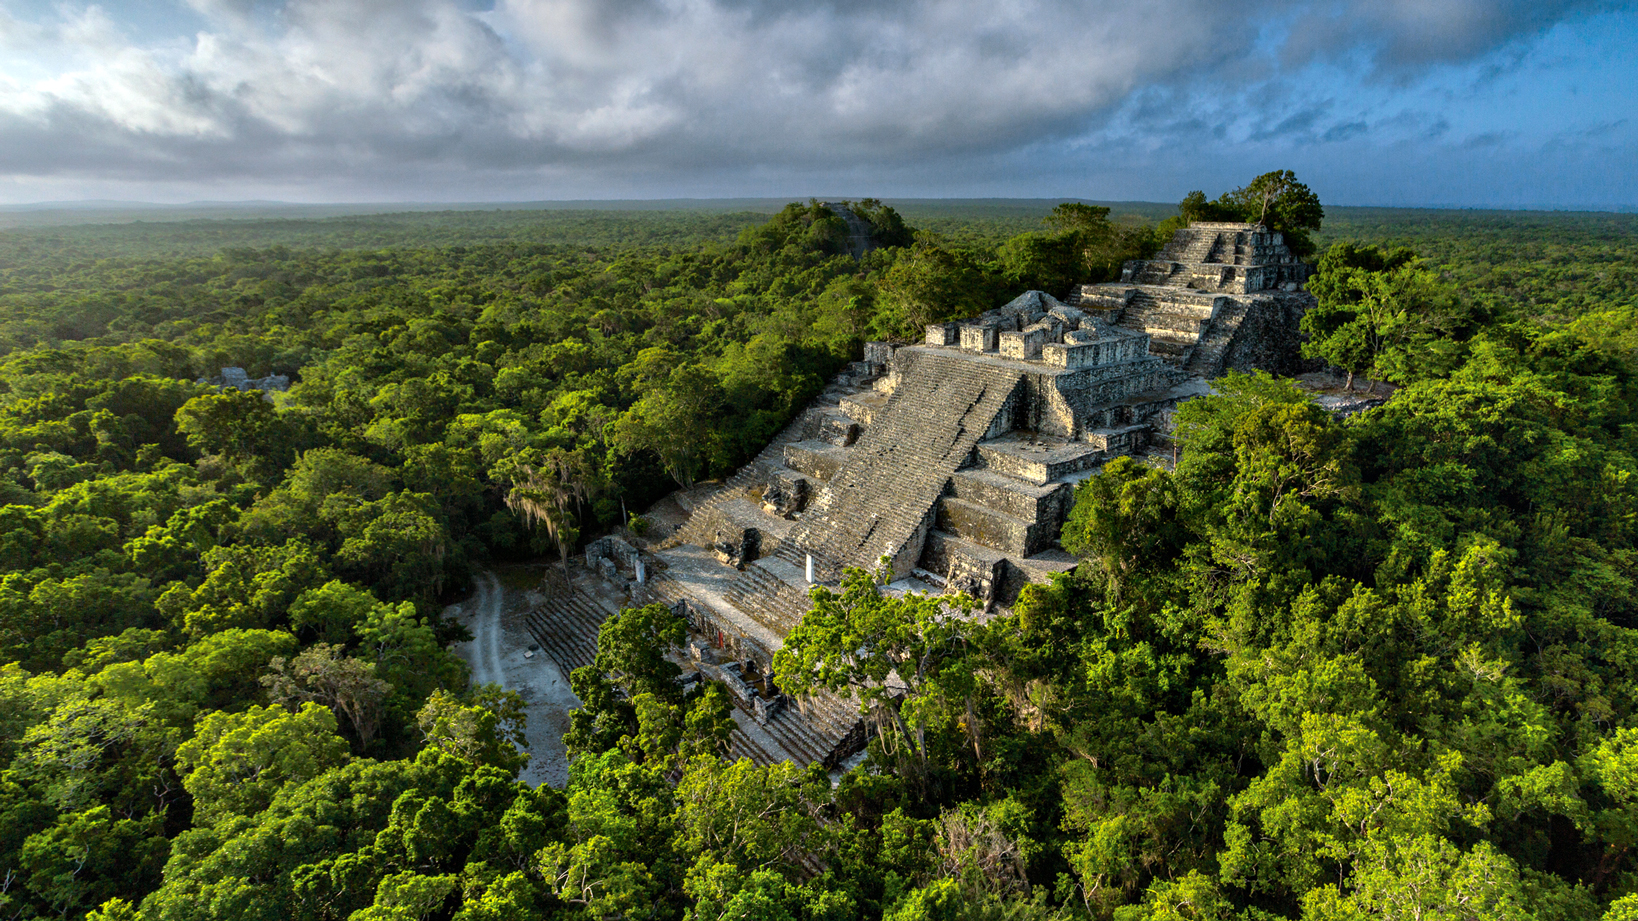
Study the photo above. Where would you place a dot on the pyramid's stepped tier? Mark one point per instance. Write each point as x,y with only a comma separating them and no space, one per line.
1008,510
773,591
998,530
819,420
1204,334
1029,500
1039,460
566,629
880,500
1235,258
823,729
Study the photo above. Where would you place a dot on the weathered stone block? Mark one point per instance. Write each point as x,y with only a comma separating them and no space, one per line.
975,576
878,353
863,407
1070,317
1063,355
1118,441
785,496
817,459
764,709
980,338
736,547
1023,346
943,334
838,432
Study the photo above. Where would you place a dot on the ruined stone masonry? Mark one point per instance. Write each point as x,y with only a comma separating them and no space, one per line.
1219,297
952,462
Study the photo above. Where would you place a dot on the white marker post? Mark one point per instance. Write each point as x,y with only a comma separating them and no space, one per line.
810,569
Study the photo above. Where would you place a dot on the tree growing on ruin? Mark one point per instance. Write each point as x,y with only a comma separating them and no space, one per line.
1280,202
1276,199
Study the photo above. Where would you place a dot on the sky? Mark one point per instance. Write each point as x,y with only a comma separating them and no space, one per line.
1471,103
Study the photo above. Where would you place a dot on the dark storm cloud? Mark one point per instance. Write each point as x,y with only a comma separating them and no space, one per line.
1404,36
408,91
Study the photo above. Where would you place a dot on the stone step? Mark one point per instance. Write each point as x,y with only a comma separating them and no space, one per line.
1009,494
768,591
1038,459
815,732
814,458
741,746
997,530
566,629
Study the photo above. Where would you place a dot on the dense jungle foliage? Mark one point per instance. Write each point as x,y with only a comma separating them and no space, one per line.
1377,668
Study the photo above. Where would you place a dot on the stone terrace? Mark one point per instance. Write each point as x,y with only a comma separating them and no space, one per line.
1218,297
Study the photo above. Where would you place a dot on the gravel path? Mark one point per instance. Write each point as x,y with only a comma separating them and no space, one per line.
496,654
486,630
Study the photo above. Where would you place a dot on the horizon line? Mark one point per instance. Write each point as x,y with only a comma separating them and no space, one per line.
93,204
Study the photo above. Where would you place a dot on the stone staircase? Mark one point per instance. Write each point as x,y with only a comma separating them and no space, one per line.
879,502
1192,245
824,729
1208,355
566,629
806,427
773,591
1172,333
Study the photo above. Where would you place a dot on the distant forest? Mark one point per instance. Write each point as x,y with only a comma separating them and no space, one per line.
1386,667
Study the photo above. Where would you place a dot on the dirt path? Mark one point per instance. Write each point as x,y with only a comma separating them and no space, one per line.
486,630
500,639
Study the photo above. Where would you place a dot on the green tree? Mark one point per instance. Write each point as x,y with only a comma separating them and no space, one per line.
491,729
1381,313
240,426
904,659
547,490
321,674
929,284
236,762
1282,203
677,422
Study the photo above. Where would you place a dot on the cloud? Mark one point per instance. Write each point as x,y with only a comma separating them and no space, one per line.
402,93
1404,36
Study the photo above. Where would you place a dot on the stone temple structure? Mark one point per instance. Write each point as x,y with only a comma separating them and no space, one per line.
951,463
1219,297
